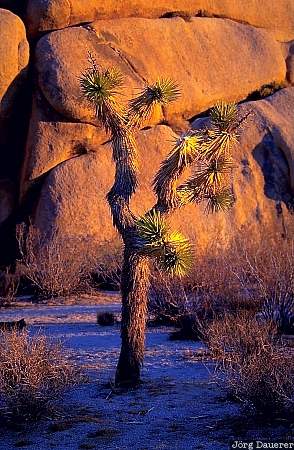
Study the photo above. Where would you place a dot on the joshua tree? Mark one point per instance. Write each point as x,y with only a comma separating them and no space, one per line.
149,238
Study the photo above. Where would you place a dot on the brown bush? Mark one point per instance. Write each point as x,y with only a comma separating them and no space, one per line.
34,374
168,300
58,267
256,367
107,271
9,284
267,276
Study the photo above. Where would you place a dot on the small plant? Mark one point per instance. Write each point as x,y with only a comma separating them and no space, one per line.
257,369
171,14
106,319
271,88
34,374
280,311
9,285
266,90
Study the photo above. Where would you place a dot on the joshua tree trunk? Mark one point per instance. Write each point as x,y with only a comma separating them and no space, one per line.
134,289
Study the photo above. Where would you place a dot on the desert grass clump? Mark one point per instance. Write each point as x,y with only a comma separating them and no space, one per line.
34,374
257,369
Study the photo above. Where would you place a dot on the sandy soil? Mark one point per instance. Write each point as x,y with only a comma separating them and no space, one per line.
179,405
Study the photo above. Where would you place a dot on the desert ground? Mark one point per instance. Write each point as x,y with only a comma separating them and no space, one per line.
180,404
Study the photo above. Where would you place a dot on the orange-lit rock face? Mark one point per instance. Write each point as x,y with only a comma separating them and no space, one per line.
209,58
14,57
275,16
73,201
52,141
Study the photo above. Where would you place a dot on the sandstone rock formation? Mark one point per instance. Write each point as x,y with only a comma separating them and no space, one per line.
72,200
51,141
207,64
48,15
14,57
214,49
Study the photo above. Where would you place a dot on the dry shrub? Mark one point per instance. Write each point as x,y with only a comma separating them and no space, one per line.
167,299
243,277
190,328
267,276
107,272
9,284
215,281
256,367
171,304
34,374
58,267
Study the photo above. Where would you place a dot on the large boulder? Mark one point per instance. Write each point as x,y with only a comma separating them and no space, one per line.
209,58
14,58
47,15
72,200
51,141
73,197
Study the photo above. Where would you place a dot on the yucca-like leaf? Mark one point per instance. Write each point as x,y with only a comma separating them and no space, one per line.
152,229
177,255
223,115
184,152
186,194
221,200
100,88
211,173
217,143
185,148
171,249
141,108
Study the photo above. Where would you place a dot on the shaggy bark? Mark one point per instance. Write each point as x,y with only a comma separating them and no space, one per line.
134,289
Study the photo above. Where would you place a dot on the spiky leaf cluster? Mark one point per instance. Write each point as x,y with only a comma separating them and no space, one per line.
177,256
141,108
152,228
220,200
213,173
172,250
211,178
224,115
184,152
100,87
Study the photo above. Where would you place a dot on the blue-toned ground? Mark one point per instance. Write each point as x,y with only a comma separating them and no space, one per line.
179,405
